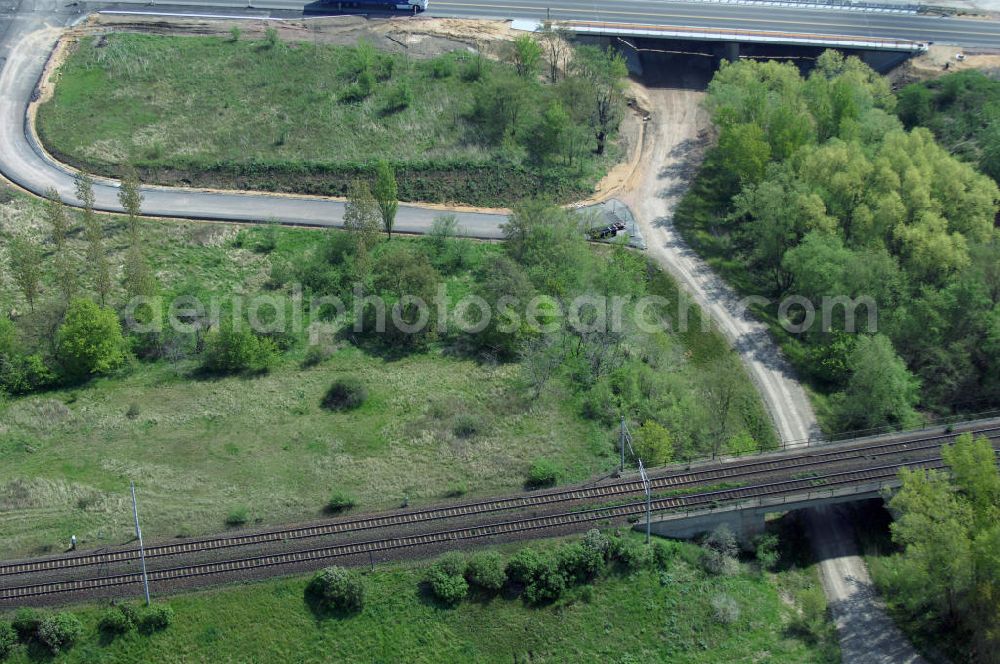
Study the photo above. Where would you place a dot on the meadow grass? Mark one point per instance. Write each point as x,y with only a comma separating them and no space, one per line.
644,616
213,112
438,422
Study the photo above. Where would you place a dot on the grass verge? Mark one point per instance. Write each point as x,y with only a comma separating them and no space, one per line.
648,615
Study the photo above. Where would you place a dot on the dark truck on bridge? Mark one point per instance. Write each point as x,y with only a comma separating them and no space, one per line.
413,6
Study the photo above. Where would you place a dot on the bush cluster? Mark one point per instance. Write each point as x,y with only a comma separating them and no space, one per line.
542,473
337,590
233,349
59,631
8,639
719,550
345,394
540,577
446,578
340,502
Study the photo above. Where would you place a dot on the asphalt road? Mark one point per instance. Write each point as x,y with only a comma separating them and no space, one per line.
25,47
964,32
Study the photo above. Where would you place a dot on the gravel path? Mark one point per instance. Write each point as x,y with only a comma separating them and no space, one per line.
673,151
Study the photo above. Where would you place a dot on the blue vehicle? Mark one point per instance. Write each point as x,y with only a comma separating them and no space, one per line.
412,6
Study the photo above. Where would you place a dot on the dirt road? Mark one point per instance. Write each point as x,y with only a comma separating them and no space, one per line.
671,155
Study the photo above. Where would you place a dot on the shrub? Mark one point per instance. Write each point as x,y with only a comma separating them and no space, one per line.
810,623
26,622
449,590
59,631
339,502
766,551
315,354
237,516
271,37
467,425
116,622
547,585
234,34
399,98
235,349
579,563
663,553
456,490
131,613
133,411
596,541
523,566
653,444
473,69
719,551
453,563
726,609
8,639
630,554
442,67
337,589
360,90
542,473
446,578
156,617
345,394
486,570
266,239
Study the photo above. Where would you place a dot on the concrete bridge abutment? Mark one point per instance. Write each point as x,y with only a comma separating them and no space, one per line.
746,518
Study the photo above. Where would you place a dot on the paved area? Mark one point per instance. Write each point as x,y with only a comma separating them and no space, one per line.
966,32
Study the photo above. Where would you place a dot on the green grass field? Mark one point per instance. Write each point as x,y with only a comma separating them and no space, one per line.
199,448
645,616
207,111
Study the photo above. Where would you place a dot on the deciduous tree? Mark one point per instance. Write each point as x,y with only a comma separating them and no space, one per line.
90,340
386,194
26,266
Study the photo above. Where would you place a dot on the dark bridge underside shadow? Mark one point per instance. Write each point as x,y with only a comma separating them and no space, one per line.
690,64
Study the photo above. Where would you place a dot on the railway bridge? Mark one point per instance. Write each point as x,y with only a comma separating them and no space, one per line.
683,500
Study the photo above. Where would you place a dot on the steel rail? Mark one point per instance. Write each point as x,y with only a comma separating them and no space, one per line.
673,480
586,516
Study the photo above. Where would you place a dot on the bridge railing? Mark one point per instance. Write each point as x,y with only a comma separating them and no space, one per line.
741,35
839,5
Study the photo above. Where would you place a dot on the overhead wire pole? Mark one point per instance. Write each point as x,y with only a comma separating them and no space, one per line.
649,497
621,444
142,550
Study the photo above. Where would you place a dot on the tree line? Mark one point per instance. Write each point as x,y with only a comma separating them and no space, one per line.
947,575
817,189
963,111
684,392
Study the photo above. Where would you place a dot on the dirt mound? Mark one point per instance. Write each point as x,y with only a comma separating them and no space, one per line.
419,37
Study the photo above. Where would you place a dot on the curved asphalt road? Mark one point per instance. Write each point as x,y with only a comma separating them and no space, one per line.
25,164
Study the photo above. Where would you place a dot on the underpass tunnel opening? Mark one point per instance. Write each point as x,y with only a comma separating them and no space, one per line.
690,64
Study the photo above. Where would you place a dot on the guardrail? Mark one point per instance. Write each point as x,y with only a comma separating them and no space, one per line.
837,5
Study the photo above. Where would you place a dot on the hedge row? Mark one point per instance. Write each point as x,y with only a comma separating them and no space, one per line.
492,184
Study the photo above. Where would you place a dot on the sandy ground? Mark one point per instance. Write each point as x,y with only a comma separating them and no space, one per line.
676,136
941,59
420,37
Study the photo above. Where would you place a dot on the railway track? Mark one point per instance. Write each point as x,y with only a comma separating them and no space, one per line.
609,492
514,526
